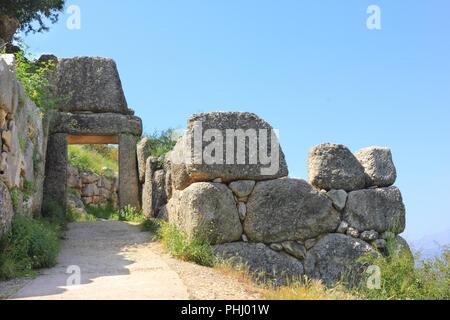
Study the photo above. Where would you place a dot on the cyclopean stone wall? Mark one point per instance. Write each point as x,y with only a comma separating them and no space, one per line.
22,148
90,189
276,225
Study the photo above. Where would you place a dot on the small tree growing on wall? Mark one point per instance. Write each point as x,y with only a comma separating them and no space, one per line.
27,15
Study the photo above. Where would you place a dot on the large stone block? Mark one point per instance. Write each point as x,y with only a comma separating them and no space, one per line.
128,172
378,166
6,209
89,84
379,209
143,152
333,166
335,257
264,263
228,146
207,210
94,124
9,98
55,185
288,209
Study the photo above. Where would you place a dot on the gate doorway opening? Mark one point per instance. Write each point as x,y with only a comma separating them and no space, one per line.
92,177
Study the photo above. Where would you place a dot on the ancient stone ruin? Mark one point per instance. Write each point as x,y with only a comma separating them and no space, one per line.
22,148
86,188
93,111
278,226
225,181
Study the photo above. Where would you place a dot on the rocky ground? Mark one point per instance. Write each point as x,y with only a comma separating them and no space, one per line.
119,261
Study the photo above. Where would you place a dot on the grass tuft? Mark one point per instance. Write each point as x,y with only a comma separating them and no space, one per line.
30,244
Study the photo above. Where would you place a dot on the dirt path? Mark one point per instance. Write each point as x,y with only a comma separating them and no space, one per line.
118,261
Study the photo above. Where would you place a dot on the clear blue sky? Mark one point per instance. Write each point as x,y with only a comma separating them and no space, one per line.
310,68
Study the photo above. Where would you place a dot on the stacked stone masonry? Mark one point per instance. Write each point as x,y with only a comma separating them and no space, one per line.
22,148
90,189
276,225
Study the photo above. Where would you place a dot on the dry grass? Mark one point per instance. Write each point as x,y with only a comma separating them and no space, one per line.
308,290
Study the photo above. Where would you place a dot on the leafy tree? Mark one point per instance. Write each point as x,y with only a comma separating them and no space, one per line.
29,15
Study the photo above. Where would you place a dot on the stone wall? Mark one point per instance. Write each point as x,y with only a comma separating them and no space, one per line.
22,148
90,189
278,226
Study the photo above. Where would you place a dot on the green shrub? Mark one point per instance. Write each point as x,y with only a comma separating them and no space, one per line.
178,245
106,213
402,280
86,158
162,142
34,77
30,244
131,214
151,225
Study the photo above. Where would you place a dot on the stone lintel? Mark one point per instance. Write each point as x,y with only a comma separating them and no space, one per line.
92,139
95,123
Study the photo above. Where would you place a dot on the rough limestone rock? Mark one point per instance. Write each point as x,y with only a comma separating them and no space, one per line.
6,209
89,84
379,209
295,249
75,204
188,166
369,235
128,172
89,177
336,256
94,124
342,227
378,165
143,152
242,188
9,98
339,198
148,189
400,246
264,263
288,209
206,209
159,194
333,166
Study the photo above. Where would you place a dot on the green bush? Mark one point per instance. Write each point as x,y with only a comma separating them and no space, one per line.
34,77
162,142
178,245
106,213
30,244
131,214
88,158
402,280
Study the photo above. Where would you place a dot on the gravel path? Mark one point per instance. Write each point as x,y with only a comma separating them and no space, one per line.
118,261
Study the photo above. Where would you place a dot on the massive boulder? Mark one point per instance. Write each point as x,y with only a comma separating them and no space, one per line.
288,209
154,195
6,209
22,142
207,210
208,150
264,263
9,98
89,84
380,209
378,166
336,257
143,152
333,166
105,124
